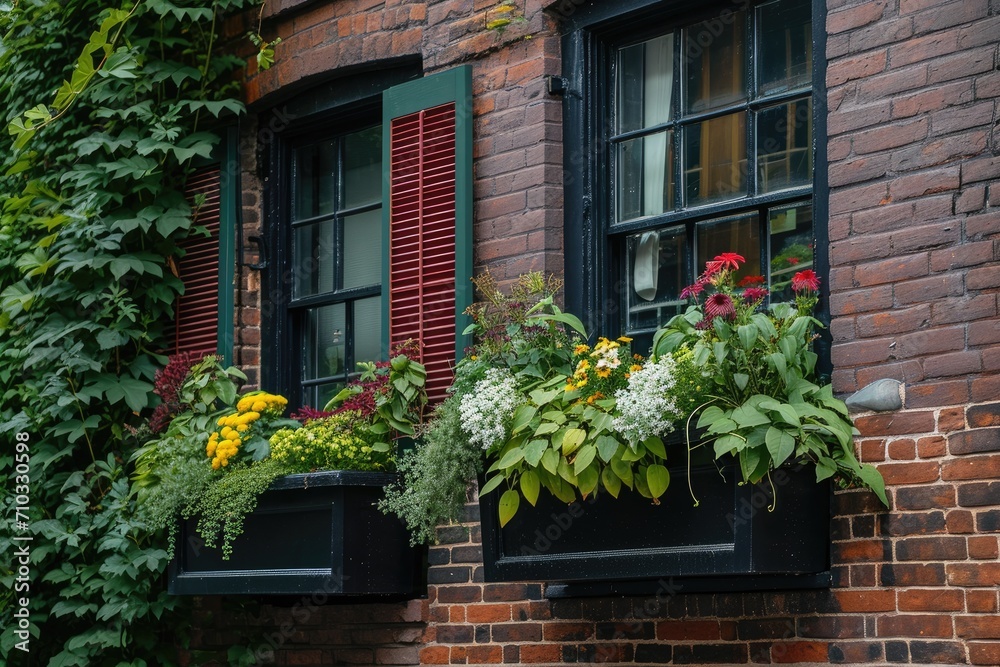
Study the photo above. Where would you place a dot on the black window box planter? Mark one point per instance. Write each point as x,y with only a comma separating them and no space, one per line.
731,541
318,533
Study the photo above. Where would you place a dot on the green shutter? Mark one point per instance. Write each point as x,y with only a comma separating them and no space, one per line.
427,217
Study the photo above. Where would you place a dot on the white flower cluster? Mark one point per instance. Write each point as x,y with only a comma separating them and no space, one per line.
646,407
488,409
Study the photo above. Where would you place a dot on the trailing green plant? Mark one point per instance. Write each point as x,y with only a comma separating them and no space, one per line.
106,107
764,405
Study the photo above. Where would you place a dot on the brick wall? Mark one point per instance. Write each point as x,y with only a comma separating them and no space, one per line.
913,227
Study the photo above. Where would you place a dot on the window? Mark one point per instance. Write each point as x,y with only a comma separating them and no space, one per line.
335,227
702,142
369,217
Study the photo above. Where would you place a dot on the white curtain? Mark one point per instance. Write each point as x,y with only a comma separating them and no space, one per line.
658,84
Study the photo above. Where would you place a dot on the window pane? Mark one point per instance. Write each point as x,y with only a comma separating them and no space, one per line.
313,270
324,342
791,235
645,176
363,249
715,159
318,395
313,180
657,262
716,61
784,146
368,329
784,51
740,235
645,83
363,167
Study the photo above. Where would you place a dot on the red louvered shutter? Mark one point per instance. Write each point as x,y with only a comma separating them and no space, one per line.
196,312
429,218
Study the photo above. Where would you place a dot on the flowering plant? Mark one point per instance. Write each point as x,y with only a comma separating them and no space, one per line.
763,404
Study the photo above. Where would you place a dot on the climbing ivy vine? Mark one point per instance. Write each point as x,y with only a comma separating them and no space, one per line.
106,109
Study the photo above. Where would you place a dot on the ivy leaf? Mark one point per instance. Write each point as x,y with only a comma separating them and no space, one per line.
657,479
530,486
508,506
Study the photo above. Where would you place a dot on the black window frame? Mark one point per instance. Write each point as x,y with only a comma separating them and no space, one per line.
344,104
594,285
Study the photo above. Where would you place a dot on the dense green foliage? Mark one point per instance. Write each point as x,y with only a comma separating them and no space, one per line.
106,109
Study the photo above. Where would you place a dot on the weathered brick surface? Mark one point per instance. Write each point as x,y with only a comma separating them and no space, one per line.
914,231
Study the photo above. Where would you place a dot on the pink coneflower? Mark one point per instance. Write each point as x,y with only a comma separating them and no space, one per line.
692,291
719,305
805,280
754,294
704,323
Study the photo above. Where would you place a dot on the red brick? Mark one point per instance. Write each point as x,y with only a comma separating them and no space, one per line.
900,320
928,289
891,270
923,48
541,653
852,118
886,31
462,594
968,254
872,450
696,630
986,277
848,69
951,419
925,497
932,446
562,632
865,601
890,136
975,441
517,632
434,655
971,200
985,388
958,118
858,170
912,574
978,627
488,613
492,654
983,547
984,415
947,15
799,652
861,352
939,151
456,613
896,474
845,200
903,450
891,83
933,99
907,371
913,625
984,653
960,521
974,574
959,65
983,602
930,341
931,548
972,467
936,394
952,363
897,423
931,599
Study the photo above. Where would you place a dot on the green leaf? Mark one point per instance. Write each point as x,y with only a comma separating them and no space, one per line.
748,417
780,445
534,451
512,458
550,460
573,438
508,506
258,448
530,486
584,458
588,480
491,484
748,335
657,479
522,417
741,380
565,318
870,475
611,482
541,397
655,446
606,447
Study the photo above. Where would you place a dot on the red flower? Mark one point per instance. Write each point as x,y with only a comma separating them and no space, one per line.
692,291
754,294
719,305
750,281
805,280
793,261
728,260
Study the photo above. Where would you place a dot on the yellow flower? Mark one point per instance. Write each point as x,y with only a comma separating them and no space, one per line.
604,373
210,449
242,428
635,367
215,464
581,349
570,386
259,406
624,339
582,383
